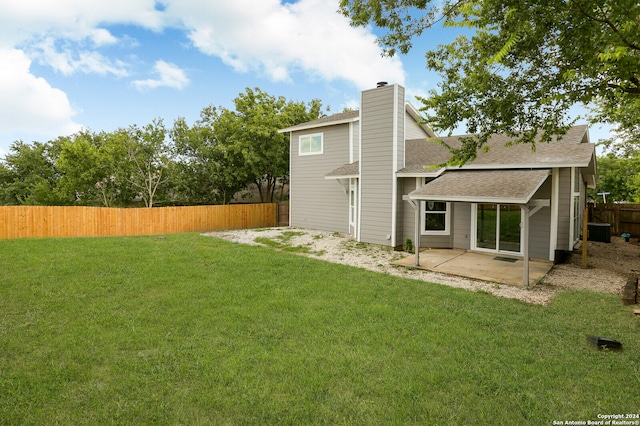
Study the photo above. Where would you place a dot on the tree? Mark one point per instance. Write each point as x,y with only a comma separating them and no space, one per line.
526,63
148,155
205,172
252,131
30,177
94,169
620,177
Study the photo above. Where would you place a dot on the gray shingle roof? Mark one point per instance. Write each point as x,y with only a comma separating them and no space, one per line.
568,151
348,170
495,186
329,120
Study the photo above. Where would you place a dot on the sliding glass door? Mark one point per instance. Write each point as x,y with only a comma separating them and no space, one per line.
497,227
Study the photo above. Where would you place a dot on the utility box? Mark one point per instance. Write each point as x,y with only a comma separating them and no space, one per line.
600,232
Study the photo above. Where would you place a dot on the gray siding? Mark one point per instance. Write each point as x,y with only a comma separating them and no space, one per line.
316,202
377,169
540,225
407,218
355,129
564,208
412,130
431,241
462,226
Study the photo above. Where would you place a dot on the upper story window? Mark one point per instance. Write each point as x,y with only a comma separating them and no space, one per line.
311,144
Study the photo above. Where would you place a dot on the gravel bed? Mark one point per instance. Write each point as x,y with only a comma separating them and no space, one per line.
609,264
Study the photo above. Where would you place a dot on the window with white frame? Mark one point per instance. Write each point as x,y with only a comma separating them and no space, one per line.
311,144
436,218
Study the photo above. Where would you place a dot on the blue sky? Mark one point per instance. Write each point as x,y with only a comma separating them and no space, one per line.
97,65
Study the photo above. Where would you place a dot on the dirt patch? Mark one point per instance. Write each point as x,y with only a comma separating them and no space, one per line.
609,267
609,264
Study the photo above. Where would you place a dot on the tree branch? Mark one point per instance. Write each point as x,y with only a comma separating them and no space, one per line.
632,90
608,22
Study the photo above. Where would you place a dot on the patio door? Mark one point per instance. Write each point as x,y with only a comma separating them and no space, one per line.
497,227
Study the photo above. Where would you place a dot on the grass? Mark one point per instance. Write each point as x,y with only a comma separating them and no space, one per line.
194,330
283,242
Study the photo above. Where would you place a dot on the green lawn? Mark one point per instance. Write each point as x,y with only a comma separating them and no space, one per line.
187,329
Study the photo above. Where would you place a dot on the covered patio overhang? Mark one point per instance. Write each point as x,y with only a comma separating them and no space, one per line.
515,187
343,173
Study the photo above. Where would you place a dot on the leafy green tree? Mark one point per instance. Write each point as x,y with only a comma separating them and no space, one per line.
148,154
252,131
30,176
620,177
524,64
205,172
94,168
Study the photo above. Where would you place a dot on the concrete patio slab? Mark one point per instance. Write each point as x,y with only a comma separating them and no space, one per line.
490,267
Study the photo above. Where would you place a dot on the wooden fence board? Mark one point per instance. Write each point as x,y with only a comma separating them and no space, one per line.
622,217
74,221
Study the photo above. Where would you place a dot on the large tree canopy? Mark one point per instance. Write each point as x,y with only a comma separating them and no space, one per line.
524,64
218,158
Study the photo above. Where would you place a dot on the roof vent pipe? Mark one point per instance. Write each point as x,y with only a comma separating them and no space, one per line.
381,84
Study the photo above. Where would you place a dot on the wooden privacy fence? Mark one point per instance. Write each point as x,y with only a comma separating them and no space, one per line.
622,217
50,221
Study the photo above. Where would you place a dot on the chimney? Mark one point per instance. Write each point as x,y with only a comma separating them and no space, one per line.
381,84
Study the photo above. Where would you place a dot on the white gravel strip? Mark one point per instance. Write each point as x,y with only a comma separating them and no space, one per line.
340,248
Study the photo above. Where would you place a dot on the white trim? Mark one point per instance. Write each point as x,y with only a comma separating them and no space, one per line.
311,135
290,180
447,219
500,166
359,221
415,114
318,125
525,214
350,142
572,207
474,232
433,174
342,177
353,187
394,180
555,197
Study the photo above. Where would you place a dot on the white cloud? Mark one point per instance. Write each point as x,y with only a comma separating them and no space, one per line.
169,75
102,37
29,104
279,40
69,60
73,19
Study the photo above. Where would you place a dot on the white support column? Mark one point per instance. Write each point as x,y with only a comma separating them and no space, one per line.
416,244
555,190
525,244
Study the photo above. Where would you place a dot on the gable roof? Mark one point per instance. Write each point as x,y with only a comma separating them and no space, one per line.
330,120
353,116
572,150
483,186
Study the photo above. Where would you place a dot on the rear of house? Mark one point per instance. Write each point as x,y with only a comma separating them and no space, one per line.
375,174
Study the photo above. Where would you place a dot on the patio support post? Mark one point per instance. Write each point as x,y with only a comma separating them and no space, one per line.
525,244
416,242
